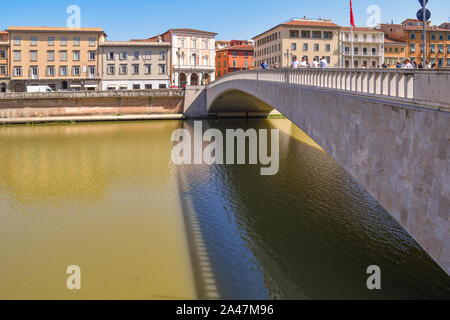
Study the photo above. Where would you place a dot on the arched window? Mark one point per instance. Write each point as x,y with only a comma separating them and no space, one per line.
206,60
194,59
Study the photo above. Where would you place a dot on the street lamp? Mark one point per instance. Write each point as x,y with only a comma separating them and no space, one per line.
424,15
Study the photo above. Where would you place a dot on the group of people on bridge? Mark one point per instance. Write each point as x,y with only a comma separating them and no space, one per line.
304,63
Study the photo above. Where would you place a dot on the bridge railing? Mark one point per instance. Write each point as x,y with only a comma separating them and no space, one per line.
430,86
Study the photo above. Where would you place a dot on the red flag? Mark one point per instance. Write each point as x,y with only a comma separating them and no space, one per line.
352,17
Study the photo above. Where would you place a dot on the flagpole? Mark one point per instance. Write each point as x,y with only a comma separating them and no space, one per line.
352,49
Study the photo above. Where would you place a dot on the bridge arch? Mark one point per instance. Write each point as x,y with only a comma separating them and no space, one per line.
388,128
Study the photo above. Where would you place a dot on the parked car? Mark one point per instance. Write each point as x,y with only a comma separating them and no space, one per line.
39,89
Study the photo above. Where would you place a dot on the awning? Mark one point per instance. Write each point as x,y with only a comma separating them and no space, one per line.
75,86
90,86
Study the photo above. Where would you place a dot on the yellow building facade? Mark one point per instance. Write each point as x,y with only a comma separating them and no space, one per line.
60,58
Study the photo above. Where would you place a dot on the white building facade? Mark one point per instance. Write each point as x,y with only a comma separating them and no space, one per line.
130,65
193,57
367,47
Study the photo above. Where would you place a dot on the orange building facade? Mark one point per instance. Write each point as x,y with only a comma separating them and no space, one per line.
238,56
410,31
4,55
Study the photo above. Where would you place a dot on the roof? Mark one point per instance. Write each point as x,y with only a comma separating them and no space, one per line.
394,42
310,23
134,44
302,23
238,48
361,29
192,30
55,29
418,28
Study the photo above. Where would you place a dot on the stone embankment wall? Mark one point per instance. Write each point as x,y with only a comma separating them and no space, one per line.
60,104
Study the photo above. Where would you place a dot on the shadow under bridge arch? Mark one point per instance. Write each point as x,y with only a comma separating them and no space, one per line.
236,101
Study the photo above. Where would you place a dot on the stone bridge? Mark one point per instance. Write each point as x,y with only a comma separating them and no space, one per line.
388,128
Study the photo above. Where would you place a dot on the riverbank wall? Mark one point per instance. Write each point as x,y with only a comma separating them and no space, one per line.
91,103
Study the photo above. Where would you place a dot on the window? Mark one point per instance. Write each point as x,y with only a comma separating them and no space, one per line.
51,41
92,42
50,55
110,55
294,33
34,72
111,69
17,41
162,69
33,41
162,86
63,71
374,51
246,63
448,48
441,48
136,87
76,55
33,55
327,47
17,55
50,71
182,43
2,54
91,55
123,55
91,72
356,50
413,36
136,55
441,37
148,69
206,60
63,41
316,47
162,55
63,55
347,50
205,44
76,41
317,34
18,71
123,69
76,71
433,37
148,86
433,48
413,47
441,62
135,69
327,35
306,34
2,70
148,55
234,64
293,46
365,51
194,43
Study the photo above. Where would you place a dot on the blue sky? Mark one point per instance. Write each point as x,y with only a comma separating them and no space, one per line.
231,19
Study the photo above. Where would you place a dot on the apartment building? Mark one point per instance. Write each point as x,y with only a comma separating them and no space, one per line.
131,65
192,56
395,51
367,44
61,58
238,56
4,54
411,32
300,38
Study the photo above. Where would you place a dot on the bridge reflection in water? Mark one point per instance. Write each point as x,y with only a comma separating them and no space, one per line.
309,232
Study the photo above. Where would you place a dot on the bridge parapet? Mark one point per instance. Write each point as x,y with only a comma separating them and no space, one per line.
429,87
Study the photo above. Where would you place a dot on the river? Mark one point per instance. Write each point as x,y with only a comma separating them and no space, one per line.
107,198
